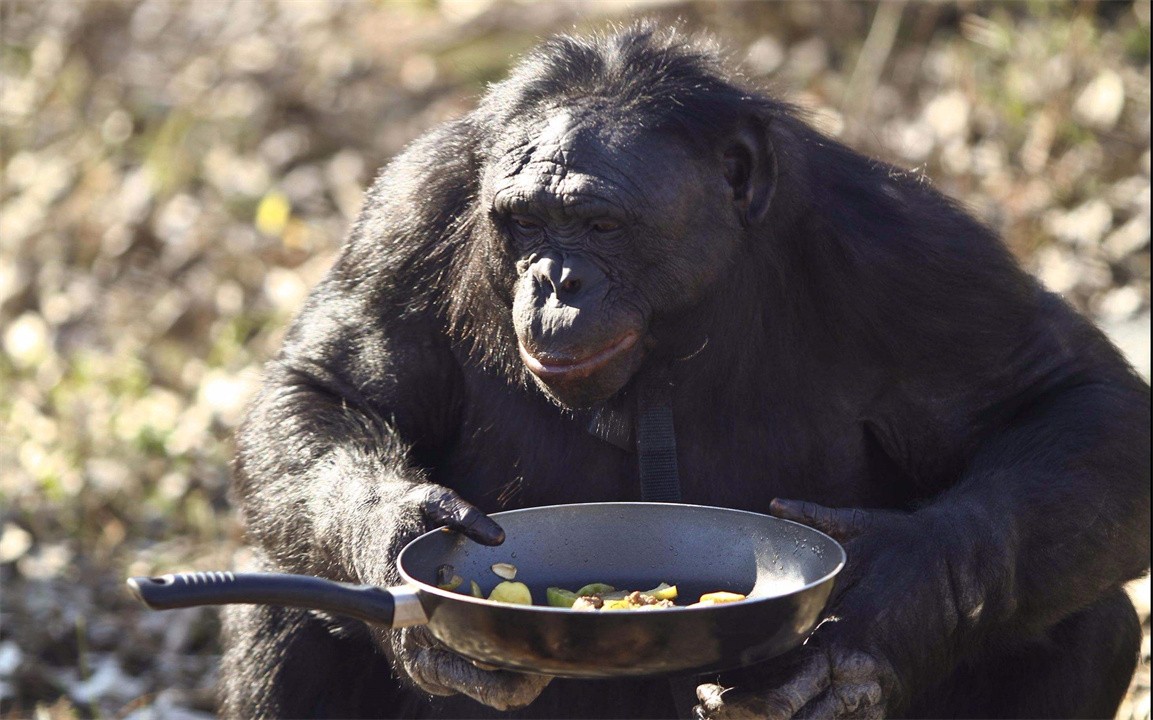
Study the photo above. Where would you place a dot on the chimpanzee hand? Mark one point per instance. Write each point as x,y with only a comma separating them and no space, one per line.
831,682
849,667
439,671
431,666
441,506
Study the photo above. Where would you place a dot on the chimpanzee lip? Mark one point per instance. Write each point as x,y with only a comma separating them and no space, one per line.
547,366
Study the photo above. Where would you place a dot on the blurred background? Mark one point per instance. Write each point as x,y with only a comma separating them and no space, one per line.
176,175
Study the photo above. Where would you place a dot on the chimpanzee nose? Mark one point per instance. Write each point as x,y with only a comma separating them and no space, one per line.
564,277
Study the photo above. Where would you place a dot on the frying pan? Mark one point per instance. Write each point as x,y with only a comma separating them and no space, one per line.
785,568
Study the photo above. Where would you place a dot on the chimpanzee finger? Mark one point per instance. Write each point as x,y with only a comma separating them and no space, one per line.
444,507
851,702
811,679
501,689
713,706
842,524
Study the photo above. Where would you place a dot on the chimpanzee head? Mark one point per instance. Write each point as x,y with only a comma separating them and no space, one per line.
621,178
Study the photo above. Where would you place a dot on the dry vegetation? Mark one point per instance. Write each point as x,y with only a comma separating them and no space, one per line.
177,174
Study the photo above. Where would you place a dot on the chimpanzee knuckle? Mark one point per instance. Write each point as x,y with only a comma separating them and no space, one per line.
811,681
860,522
426,668
441,505
499,689
855,697
853,666
514,691
967,593
420,676
846,701
432,498
408,643
711,698
872,695
828,517
740,707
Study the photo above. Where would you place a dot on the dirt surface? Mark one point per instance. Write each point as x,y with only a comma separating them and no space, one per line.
177,174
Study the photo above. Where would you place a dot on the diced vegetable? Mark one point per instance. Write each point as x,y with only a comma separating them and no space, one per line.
595,589
721,597
664,591
446,577
511,592
588,602
559,597
506,571
594,596
452,584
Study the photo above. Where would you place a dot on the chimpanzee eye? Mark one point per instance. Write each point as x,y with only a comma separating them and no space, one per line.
524,222
605,226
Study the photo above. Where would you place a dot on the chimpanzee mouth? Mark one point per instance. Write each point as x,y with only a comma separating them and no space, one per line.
549,366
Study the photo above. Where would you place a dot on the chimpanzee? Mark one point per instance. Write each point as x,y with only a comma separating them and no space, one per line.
832,330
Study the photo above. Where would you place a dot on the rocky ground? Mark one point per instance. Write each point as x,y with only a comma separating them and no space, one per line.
177,174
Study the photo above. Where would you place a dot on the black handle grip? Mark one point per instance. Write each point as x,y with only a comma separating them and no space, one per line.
364,602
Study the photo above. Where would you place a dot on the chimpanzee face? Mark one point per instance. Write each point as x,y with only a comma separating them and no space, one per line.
607,227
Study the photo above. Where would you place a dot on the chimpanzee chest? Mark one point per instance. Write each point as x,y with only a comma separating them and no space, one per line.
519,450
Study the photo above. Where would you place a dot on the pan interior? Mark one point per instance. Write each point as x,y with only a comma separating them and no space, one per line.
636,546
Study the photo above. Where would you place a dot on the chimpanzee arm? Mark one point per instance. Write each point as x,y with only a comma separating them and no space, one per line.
1049,511
328,475
335,459
1024,430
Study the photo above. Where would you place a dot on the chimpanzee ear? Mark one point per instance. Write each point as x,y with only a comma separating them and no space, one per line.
751,170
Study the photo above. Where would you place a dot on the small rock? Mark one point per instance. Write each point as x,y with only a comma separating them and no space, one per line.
912,141
765,55
49,562
283,146
254,54
1131,193
807,58
27,340
285,289
948,115
226,394
107,680
14,542
1057,269
1127,239
1099,105
419,72
14,279
10,657
1132,338
1139,594
1119,304
1084,225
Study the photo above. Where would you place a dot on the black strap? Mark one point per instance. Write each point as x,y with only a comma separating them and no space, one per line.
655,437
613,423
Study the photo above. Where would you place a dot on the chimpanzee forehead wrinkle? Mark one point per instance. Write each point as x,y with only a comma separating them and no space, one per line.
580,164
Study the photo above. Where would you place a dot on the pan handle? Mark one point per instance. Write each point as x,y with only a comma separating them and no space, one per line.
392,607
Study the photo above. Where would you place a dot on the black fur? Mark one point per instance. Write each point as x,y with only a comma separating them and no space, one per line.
868,345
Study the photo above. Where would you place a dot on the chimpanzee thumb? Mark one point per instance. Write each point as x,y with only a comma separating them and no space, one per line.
443,506
842,524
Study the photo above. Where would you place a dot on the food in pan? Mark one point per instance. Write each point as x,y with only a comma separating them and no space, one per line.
591,597
511,592
605,597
